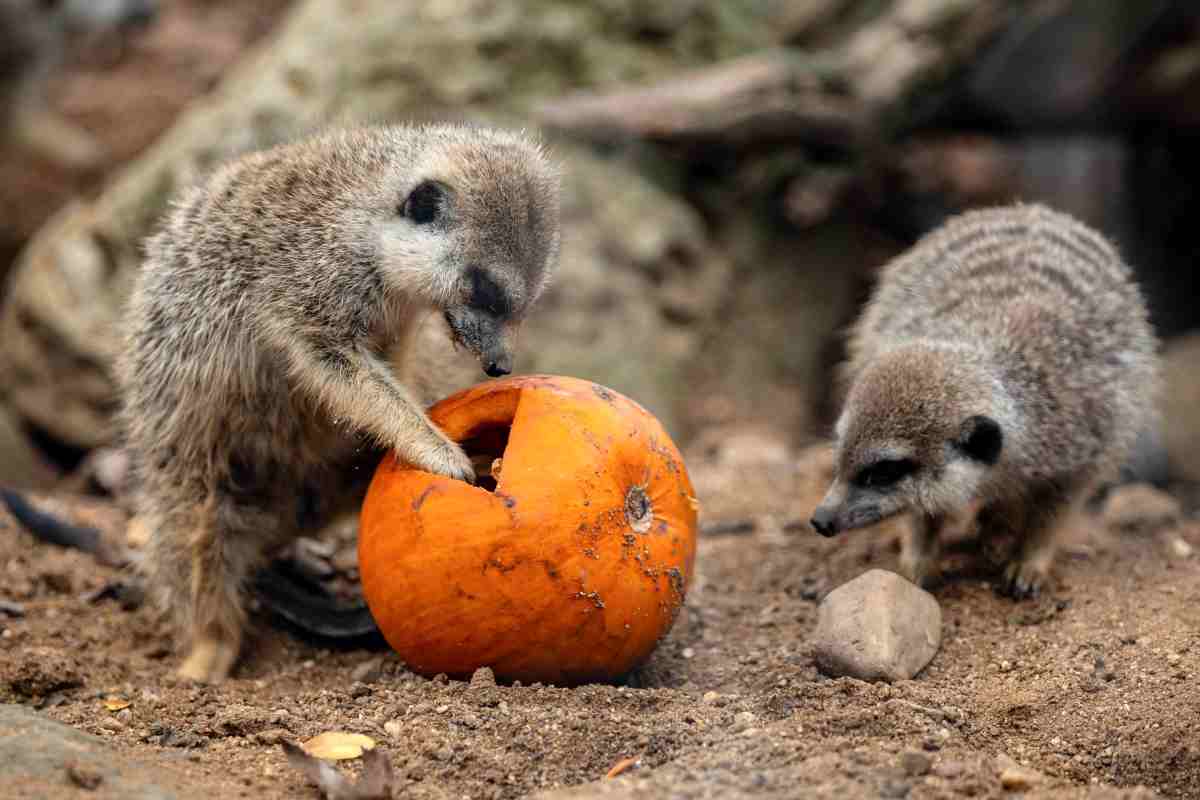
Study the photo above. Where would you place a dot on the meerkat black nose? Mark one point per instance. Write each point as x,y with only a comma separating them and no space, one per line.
495,368
824,522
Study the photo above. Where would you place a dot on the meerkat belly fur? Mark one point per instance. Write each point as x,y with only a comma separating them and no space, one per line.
268,333
1005,361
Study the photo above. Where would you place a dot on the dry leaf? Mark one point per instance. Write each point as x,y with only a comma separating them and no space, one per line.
338,745
116,703
376,782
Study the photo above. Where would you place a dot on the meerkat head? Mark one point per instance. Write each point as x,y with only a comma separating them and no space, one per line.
922,430
475,234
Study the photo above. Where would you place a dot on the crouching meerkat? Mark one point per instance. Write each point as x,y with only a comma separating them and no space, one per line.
1005,362
263,372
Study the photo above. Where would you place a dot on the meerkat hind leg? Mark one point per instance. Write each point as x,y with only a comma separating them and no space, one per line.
921,548
221,562
211,656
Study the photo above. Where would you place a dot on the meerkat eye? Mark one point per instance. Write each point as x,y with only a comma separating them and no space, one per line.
885,473
423,204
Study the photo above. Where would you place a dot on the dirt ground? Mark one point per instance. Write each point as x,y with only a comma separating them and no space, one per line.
1092,686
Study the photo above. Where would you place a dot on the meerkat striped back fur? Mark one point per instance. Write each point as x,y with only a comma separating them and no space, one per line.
1006,360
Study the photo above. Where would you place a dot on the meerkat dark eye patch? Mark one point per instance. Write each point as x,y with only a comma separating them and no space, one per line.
424,203
487,295
885,473
981,439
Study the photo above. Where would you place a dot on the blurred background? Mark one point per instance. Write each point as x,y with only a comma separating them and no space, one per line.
737,170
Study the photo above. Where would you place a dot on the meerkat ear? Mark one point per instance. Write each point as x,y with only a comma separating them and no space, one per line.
981,439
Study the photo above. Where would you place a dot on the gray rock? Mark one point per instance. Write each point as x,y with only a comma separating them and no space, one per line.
878,626
41,758
915,763
369,671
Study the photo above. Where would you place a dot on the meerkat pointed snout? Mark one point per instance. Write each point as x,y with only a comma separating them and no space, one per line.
483,235
1006,363
271,325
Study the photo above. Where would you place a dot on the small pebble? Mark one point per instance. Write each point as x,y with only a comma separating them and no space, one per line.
368,672
915,763
1018,779
894,788
393,728
84,776
1014,777
688,652
483,678
1178,546
272,736
710,698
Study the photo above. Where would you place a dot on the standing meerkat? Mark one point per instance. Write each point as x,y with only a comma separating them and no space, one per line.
267,339
1006,360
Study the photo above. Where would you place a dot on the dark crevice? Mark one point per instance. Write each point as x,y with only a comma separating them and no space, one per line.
485,446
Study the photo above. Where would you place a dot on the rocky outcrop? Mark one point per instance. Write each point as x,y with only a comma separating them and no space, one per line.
636,260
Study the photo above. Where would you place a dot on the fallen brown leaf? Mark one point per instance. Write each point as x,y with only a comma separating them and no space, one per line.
338,745
376,783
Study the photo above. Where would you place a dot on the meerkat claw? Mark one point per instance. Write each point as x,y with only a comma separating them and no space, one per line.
1022,581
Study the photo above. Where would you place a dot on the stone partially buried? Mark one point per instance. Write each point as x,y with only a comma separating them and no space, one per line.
878,626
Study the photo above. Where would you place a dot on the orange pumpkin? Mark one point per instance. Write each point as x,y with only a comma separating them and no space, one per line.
567,568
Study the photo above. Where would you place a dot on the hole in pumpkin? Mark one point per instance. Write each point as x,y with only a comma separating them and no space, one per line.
639,511
485,447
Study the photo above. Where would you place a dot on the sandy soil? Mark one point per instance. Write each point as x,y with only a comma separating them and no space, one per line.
1094,685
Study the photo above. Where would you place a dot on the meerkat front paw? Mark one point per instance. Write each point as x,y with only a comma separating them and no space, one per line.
443,457
1024,579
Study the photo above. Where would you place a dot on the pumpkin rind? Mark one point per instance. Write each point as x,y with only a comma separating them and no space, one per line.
569,572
